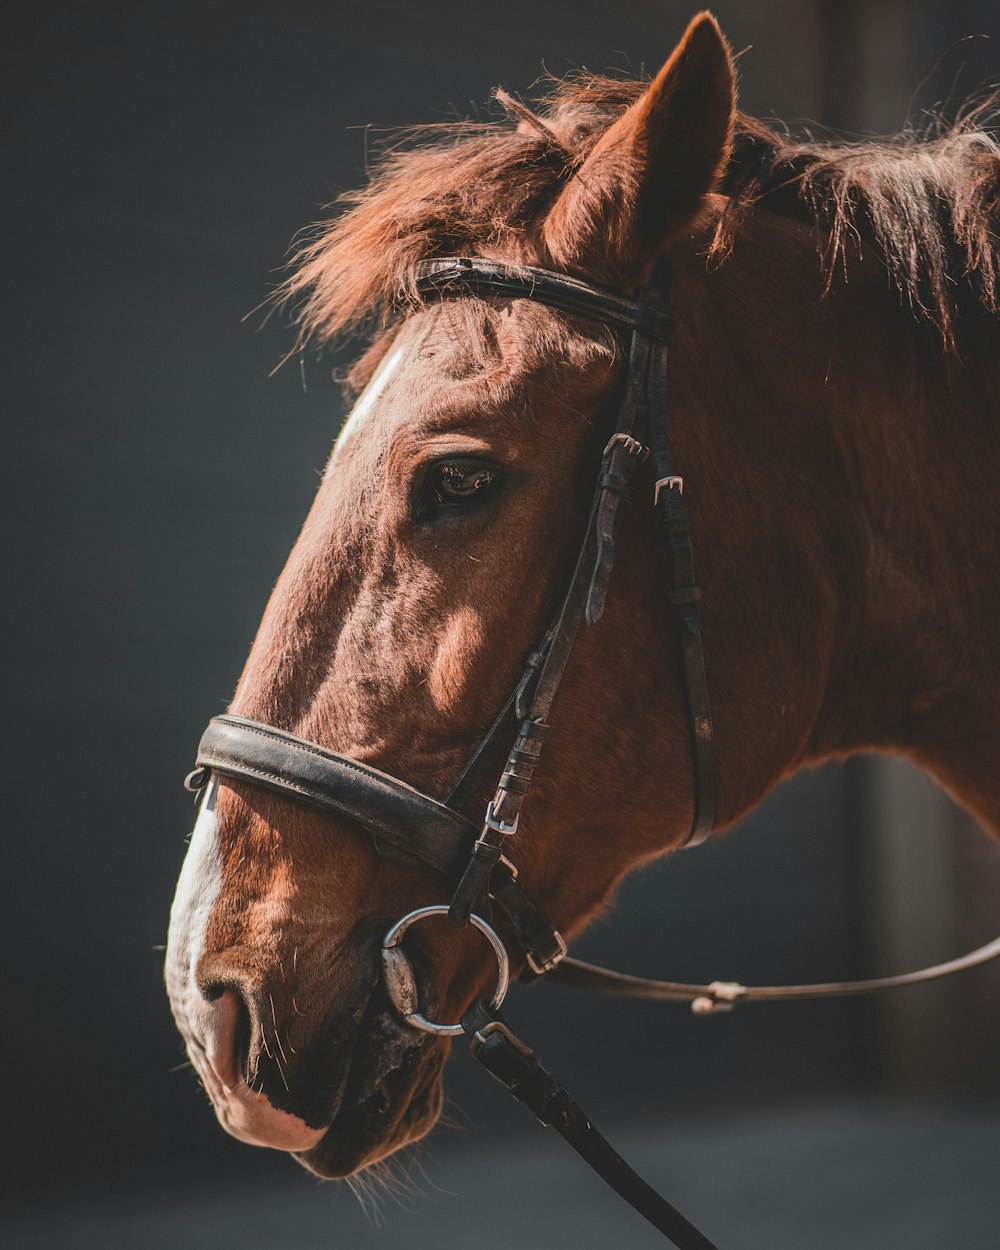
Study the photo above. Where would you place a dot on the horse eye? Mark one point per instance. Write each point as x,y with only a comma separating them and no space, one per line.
460,483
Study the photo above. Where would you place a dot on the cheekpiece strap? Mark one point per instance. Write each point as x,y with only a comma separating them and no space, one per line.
642,419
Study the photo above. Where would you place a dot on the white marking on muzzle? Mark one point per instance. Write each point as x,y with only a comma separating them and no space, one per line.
245,1113
197,891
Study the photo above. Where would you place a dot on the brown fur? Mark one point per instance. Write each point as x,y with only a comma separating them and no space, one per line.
840,469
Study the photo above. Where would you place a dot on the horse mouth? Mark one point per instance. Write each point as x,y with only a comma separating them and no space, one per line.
367,1084
384,1093
392,1096
390,1089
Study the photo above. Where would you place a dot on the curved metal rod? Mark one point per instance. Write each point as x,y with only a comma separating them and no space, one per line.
401,984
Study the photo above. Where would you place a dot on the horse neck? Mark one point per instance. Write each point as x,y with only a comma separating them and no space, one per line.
856,460
928,629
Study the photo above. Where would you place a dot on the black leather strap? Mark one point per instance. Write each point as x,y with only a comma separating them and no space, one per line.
685,593
642,413
506,806
505,1056
397,813
471,275
622,457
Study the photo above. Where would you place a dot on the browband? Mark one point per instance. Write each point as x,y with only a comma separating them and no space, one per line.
459,274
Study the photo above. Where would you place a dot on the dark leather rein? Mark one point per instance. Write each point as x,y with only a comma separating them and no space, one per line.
409,825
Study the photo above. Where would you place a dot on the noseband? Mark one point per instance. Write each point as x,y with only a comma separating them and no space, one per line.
411,826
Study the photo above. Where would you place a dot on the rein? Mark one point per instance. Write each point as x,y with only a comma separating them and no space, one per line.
412,826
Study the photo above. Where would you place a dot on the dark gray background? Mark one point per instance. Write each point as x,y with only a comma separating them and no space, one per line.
163,156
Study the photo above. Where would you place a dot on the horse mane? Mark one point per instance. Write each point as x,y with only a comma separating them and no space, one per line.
929,203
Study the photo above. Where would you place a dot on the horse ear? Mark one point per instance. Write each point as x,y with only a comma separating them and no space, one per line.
647,176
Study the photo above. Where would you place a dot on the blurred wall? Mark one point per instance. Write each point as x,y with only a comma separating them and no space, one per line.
164,154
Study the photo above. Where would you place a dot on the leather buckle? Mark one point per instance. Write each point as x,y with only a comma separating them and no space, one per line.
508,1034
540,969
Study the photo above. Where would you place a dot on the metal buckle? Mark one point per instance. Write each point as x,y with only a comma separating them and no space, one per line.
631,445
504,862
667,483
501,826
541,969
509,1036
400,983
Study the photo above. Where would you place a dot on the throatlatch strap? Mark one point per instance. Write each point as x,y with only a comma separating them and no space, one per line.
685,593
622,457
502,1053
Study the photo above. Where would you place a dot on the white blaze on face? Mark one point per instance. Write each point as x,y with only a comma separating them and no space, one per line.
369,397
197,890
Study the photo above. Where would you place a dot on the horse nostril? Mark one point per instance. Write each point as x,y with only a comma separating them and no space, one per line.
227,1033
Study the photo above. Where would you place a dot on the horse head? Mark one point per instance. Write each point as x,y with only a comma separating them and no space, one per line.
432,560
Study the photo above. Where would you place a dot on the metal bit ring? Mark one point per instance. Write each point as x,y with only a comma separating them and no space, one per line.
401,985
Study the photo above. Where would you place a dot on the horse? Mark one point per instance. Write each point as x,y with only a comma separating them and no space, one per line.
833,393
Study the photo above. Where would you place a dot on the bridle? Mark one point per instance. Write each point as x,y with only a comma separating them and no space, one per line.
409,825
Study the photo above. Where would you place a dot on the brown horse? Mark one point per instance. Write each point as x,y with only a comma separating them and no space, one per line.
835,420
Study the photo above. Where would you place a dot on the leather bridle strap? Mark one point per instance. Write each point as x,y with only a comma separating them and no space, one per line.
642,419
407,824
649,324
724,995
394,812
685,593
506,1057
473,276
